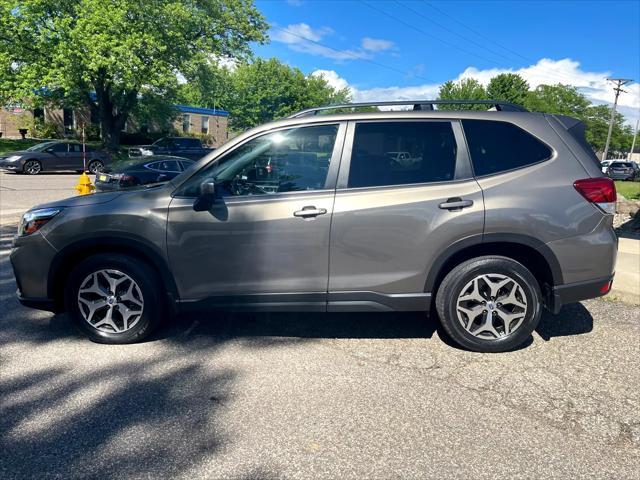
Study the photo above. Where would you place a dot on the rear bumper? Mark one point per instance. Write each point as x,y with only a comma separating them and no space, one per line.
575,292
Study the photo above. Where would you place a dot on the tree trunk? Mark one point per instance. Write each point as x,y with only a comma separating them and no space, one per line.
112,119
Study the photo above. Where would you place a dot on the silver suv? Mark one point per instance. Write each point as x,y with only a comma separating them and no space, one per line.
498,214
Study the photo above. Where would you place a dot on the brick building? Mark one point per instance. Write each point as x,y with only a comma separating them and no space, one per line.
190,121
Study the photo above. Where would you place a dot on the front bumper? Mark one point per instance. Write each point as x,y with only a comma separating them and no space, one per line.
11,166
576,292
31,259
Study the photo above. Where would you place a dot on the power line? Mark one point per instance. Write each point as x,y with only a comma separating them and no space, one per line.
351,54
467,39
426,34
552,73
619,83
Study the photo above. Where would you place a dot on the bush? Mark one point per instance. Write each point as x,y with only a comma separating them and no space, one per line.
42,129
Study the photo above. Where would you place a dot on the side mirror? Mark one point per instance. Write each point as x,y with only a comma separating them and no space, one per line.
207,196
50,150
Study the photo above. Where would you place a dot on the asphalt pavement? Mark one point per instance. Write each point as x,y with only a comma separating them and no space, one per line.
322,396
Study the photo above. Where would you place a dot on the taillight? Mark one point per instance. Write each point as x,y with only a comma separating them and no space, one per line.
601,191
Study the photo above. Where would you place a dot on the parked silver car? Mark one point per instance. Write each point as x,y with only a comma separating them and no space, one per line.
505,212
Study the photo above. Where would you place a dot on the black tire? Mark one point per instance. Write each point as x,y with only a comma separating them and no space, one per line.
95,166
460,277
32,167
153,310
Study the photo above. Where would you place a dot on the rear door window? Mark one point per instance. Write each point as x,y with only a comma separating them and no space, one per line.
401,153
500,146
165,166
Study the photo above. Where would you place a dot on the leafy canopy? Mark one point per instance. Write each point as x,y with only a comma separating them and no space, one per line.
258,92
110,53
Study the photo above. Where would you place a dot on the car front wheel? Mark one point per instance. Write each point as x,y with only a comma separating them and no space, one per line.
489,304
32,167
114,298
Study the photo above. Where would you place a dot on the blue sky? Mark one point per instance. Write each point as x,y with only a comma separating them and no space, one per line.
398,49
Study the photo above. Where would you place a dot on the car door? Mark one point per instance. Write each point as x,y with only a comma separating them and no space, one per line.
75,159
265,241
57,157
392,220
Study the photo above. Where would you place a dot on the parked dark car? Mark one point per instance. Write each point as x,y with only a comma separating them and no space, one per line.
133,173
54,156
621,171
186,147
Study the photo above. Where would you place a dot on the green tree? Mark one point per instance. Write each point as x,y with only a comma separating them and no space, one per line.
560,99
260,91
111,54
465,89
567,100
509,87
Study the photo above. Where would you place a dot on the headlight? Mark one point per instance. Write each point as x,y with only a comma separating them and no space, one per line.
13,158
35,219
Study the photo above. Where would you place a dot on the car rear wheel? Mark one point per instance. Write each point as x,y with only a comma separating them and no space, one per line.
114,298
489,304
96,166
32,167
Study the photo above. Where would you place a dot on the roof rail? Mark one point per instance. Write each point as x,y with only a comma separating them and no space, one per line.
417,105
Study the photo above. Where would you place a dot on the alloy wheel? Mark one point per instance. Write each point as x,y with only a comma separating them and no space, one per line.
95,167
491,306
110,301
32,167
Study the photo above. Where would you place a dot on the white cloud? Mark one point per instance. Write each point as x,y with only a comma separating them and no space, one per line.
333,79
300,37
376,44
546,71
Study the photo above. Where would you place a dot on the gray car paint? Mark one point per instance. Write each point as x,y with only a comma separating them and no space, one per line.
375,246
53,161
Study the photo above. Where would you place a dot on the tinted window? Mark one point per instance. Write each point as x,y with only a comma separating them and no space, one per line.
620,165
186,164
58,147
187,143
165,166
399,153
284,161
75,147
499,146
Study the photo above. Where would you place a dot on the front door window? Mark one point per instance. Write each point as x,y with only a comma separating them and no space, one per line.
290,160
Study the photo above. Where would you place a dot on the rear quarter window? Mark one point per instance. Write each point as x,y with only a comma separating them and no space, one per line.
501,146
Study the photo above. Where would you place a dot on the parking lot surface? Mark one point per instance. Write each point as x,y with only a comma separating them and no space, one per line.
18,193
317,396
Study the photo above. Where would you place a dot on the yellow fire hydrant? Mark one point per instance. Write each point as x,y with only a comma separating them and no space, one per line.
84,186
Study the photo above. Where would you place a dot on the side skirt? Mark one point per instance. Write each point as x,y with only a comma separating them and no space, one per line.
352,301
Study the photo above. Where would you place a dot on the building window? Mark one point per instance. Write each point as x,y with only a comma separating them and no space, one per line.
205,125
67,116
186,123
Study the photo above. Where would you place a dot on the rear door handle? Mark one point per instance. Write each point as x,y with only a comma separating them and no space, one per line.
455,204
310,212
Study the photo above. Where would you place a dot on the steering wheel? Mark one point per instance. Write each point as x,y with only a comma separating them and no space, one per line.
240,186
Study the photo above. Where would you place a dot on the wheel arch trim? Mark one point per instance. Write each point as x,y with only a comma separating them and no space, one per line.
435,271
113,243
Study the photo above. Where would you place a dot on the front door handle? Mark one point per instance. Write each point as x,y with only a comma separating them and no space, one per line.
455,204
310,212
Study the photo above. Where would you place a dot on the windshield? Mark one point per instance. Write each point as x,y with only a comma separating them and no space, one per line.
41,147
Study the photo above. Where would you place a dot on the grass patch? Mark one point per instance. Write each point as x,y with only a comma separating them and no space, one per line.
11,145
630,190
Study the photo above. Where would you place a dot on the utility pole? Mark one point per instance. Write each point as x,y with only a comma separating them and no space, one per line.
633,143
619,83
